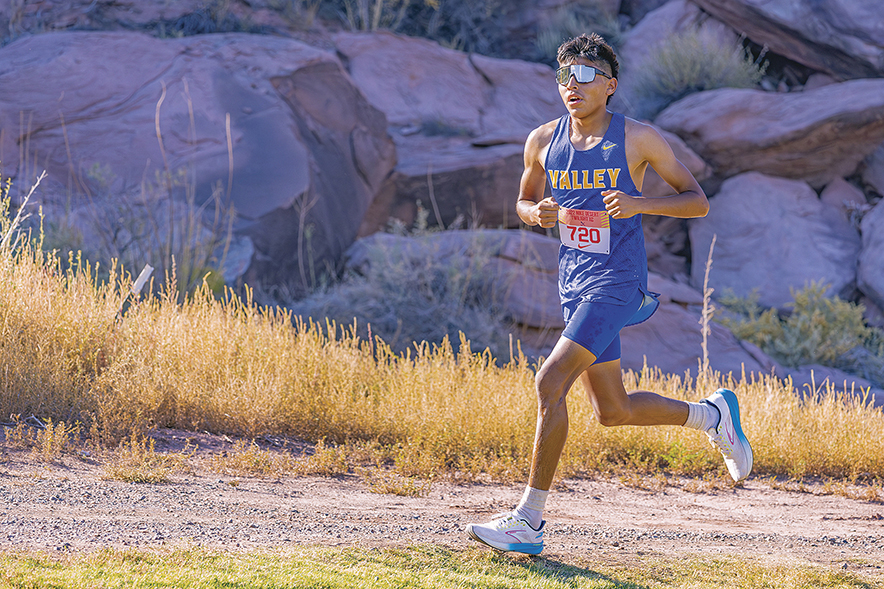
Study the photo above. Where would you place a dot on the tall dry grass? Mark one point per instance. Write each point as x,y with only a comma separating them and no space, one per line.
229,366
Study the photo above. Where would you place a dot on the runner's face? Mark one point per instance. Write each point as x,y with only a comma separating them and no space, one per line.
581,98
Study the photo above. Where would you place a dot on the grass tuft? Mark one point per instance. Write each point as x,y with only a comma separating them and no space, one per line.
136,461
248,459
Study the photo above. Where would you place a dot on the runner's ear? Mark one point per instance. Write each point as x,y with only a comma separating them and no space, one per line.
612,86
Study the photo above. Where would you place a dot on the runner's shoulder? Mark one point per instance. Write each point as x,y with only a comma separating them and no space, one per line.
542,135
643,138
641,131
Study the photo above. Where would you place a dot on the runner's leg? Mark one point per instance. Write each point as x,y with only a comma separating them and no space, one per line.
565,364
603,383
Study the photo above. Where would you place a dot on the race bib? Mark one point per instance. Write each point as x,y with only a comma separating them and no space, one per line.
588,231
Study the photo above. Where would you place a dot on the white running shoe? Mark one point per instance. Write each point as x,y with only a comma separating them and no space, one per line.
728,436
509,533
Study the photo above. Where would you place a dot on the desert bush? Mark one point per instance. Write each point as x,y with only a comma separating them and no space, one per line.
689,63
818,329
214,16
373,15
474,27
300,13
571,21
403,297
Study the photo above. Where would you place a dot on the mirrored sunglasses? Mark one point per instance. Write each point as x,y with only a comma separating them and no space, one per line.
583,73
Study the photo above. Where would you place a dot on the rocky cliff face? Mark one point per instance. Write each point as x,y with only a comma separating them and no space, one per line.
317,137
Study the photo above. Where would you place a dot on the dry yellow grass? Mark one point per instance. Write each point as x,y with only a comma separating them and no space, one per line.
228,366
136,461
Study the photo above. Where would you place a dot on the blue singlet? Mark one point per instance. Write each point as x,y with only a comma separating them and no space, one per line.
618,278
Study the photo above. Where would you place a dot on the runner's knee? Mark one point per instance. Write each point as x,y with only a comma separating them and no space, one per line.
550,387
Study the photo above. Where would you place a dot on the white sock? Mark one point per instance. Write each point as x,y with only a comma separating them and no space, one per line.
531,506
702,416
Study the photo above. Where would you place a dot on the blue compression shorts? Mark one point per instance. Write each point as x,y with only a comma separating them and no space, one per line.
596,326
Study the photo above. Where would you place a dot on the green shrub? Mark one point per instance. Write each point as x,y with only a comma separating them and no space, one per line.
571,21
690,63
818,330
476,26
213,16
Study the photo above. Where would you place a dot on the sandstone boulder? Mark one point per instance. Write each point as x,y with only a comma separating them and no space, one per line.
873,170
818,80
671,291
843,39
654,186
459,122
817,135
870,275
453,180
873,314
666,237
844,198
308,152
773,235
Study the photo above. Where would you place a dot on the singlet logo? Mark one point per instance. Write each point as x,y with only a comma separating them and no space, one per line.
606,149
577,179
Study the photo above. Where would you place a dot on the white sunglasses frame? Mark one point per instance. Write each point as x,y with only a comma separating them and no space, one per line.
576,69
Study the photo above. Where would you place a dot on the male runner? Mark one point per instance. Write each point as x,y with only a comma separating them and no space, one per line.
595,161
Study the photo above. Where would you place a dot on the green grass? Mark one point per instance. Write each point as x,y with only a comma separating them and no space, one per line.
418,567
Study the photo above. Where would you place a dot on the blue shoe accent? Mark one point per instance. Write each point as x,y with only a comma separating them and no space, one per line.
500,533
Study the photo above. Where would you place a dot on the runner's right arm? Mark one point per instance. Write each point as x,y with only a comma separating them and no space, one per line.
532,207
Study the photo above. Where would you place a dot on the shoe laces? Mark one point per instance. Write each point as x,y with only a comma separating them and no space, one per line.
722,444
504,521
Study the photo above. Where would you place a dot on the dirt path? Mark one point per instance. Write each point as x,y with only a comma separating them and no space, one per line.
70,507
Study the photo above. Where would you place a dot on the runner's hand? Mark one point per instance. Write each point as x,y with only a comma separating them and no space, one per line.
620,205
547,212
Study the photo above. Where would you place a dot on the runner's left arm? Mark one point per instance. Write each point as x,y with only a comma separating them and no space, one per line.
646,146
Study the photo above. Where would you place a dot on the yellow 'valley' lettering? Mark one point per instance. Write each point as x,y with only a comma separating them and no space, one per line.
598,177
562,180
554,178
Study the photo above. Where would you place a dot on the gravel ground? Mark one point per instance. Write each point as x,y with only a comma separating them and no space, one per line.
70,507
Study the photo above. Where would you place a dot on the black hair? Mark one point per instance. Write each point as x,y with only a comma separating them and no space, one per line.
592,47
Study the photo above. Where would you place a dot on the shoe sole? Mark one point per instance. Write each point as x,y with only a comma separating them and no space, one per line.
533,549
734,408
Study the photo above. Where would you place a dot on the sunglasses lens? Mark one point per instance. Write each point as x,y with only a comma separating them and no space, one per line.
583,73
